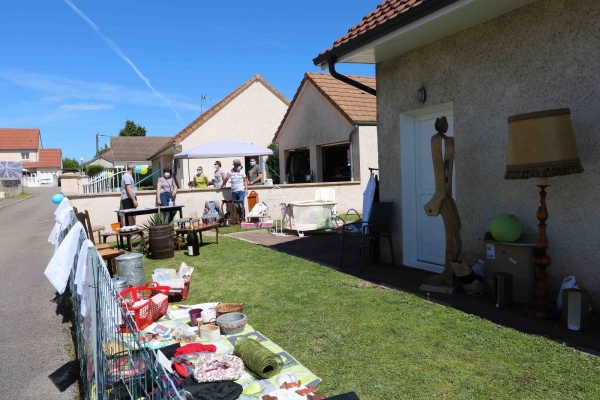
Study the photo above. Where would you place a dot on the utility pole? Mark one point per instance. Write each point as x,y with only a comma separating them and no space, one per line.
203,99
97,146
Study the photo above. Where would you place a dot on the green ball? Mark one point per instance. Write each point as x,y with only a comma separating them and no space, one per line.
506,228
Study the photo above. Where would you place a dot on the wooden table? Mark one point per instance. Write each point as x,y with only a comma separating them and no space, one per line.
145,211
198,228
128,235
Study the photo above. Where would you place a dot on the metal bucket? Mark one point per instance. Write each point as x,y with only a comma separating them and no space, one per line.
131,267
119,283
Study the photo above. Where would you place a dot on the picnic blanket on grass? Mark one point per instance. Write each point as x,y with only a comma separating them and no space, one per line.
254,386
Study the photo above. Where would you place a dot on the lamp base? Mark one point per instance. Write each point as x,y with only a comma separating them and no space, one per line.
549,311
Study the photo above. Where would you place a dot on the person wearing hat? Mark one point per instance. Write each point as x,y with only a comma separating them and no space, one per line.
239,186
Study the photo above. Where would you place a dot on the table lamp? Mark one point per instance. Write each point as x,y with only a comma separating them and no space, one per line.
541,145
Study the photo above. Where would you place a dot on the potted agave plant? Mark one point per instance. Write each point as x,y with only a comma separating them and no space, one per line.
160,236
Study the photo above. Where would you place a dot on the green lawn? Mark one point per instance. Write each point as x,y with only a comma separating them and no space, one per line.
381,343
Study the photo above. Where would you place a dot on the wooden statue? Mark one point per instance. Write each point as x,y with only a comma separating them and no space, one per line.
442,201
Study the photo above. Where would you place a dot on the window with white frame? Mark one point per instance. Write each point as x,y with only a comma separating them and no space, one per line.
25,156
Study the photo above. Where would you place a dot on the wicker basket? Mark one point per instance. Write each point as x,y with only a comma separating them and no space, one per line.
232,323
226,308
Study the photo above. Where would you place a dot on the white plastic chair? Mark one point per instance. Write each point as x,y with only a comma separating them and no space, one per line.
327,194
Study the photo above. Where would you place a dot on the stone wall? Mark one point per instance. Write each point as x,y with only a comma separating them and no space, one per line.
102,206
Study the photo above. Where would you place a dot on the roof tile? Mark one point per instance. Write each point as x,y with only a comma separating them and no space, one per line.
384,12
48,158
19,139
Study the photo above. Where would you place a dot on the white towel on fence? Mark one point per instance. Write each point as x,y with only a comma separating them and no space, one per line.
60,265
62,215
64,203
80,272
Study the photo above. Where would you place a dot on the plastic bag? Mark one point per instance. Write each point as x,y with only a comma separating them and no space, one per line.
184,334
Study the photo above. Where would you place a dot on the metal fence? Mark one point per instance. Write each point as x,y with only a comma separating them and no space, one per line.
114,363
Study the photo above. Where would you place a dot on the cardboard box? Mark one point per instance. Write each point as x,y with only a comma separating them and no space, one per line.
511,258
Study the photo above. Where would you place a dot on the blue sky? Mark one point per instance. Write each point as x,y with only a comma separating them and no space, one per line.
64,75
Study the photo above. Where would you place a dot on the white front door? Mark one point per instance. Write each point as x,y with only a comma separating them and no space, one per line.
424,241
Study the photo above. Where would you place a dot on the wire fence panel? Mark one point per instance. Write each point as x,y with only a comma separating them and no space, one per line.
113,361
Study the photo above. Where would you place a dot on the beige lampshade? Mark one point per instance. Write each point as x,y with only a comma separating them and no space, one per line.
541,144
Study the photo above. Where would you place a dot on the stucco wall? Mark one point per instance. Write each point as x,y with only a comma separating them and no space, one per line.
15,155
253,117
542,56
366,144
102,206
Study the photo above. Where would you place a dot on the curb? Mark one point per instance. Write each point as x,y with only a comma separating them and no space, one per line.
18,201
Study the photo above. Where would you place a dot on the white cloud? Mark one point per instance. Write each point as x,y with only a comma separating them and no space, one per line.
118,51
56,88
87,107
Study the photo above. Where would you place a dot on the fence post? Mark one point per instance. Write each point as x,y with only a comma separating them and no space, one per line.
94,310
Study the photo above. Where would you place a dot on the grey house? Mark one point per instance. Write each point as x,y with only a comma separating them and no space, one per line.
479,62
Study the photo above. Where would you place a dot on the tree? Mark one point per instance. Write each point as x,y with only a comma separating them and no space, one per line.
273,161
70,163
92,170
132,129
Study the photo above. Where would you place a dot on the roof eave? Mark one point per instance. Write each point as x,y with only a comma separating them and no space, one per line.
396,23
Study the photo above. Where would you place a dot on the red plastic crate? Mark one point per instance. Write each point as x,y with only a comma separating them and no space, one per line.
147,313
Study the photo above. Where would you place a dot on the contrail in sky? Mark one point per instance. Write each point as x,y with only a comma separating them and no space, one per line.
114,48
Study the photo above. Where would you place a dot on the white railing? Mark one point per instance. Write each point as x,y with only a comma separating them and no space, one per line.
106,181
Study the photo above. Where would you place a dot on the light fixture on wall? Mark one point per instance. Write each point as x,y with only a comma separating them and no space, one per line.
541,145
421,95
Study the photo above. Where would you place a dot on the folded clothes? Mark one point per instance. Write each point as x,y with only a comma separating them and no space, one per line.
195,348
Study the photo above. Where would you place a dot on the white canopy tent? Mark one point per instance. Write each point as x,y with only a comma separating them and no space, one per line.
225,148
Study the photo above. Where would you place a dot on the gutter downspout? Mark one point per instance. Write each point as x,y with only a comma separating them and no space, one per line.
349,81
351,154
356,125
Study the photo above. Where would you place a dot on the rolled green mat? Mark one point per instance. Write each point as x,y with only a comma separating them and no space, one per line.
260,360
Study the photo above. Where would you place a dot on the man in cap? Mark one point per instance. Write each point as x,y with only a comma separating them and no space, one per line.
239,186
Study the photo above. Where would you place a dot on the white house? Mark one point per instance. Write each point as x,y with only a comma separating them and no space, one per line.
42,166
251,113
329,133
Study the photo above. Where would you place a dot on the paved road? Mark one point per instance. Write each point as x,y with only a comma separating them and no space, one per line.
34,358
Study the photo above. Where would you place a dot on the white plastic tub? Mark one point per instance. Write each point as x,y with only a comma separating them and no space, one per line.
309,215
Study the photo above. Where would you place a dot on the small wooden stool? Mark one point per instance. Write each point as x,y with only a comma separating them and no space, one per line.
232,216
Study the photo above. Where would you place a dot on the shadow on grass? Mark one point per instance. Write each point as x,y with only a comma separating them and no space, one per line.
69,373
325,249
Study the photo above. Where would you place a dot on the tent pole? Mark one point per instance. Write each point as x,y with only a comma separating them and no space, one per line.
189,170
262,166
